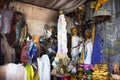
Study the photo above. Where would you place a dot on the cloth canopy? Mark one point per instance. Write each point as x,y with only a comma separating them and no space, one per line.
65,5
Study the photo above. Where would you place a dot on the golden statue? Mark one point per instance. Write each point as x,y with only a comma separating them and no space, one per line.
61,12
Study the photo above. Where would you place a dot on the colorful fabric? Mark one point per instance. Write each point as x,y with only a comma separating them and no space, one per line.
30,72
32,51
19,25
24,57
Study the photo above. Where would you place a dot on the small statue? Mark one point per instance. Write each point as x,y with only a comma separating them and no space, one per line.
61,12
75,46
88,47
116,68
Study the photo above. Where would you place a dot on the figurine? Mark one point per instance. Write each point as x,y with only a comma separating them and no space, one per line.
88,47
116,68
75,45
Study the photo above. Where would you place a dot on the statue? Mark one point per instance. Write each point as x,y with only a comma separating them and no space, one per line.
75,46
88,47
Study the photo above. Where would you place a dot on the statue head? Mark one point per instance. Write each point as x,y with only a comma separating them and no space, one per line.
88,34
74,31
61,12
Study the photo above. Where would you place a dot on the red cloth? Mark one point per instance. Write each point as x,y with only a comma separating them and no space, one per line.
24,58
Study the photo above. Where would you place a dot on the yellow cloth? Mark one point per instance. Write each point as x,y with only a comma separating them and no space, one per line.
93,33
81,59
30,72
36,77
99,3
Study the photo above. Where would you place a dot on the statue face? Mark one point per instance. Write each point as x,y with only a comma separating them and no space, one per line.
36,38
87,35
74,31
116,66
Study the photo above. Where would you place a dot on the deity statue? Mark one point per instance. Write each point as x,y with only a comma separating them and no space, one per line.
75,45
88,48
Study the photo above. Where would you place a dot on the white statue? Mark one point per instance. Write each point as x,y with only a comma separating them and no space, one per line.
88,48
75,46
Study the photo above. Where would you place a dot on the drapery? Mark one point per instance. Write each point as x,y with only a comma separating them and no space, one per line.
44,67
110,34
65,5
97,46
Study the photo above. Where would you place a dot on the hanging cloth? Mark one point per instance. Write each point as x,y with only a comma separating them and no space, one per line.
7,16
15,72
30,72
44,67
36,77
7,51
32,52
24,57
97,47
